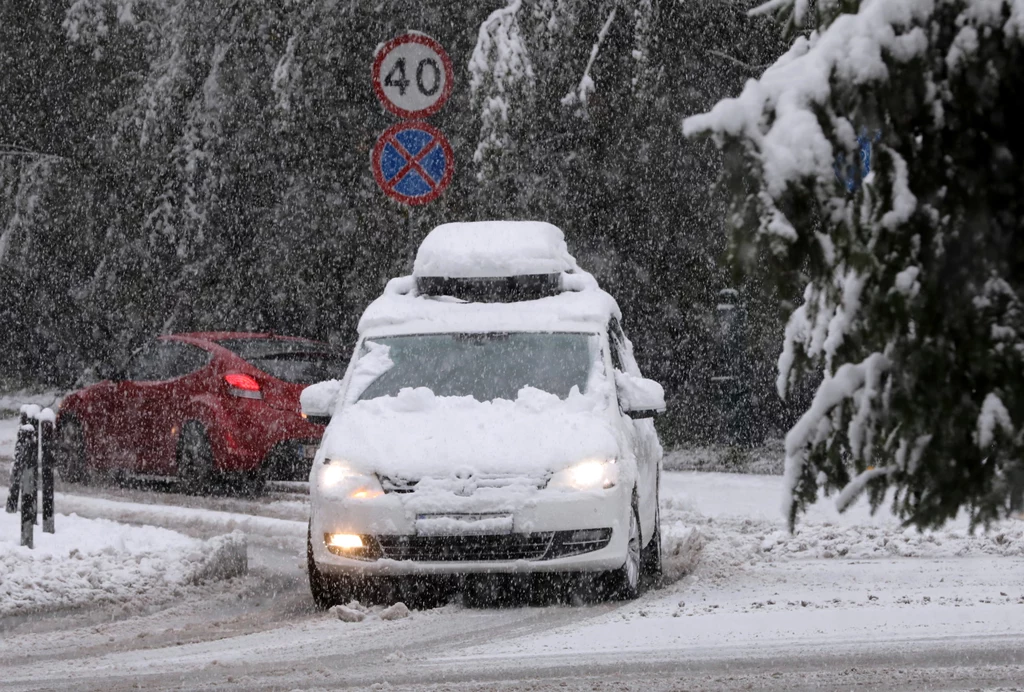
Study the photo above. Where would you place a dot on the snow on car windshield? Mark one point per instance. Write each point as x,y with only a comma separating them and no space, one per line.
486,366
293,360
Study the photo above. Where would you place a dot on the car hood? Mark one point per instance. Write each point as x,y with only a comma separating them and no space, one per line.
416,434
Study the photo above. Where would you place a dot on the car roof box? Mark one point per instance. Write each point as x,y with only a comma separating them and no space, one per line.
490,249
492,261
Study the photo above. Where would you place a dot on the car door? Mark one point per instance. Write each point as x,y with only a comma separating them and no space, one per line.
162,405
112,428
641,432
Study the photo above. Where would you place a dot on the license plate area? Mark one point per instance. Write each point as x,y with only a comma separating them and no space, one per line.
464,524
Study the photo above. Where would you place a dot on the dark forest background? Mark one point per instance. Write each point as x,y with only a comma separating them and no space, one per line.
179,165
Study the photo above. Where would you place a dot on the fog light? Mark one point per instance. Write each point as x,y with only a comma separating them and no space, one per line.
345,541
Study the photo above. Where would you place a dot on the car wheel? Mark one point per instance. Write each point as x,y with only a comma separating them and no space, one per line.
651,554
72,463
254,483
327,590
624,582
195,460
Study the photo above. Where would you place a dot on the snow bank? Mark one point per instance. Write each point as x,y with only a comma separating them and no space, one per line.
735,527
183,518
681,546
92,561
859,542
493,248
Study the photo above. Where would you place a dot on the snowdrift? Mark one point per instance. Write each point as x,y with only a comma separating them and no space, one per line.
96,561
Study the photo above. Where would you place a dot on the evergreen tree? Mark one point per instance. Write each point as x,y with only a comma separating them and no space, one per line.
215,168
912,266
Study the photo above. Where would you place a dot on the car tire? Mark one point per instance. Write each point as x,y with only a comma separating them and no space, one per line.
651,553
72,463
195,460
327,590
623,584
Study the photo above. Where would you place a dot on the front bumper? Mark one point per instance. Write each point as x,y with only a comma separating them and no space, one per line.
544,525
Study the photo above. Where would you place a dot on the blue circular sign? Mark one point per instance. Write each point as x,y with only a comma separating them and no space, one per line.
412,162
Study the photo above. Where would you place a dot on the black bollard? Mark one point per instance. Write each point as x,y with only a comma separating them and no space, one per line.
46,439
29,475
22,450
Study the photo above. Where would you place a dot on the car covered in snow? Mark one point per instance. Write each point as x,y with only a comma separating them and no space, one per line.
492,420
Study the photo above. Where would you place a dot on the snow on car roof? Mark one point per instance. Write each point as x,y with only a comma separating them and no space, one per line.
582,306
493,249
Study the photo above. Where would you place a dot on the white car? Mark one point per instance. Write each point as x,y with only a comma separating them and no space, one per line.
492,420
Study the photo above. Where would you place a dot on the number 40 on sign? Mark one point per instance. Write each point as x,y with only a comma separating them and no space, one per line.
412,75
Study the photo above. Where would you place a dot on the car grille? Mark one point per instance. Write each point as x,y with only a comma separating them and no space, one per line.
543,545
515,546
395,484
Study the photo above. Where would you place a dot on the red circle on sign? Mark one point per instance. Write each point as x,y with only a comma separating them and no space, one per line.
412,162
449,75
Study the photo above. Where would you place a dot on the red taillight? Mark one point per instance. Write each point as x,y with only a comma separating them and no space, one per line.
245,386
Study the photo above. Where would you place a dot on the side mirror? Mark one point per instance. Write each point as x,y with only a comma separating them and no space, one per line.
317,401
638,396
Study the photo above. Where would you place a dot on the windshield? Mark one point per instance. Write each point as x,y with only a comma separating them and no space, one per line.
297,361
486,366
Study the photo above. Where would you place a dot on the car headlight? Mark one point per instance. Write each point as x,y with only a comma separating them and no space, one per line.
338,475
592,474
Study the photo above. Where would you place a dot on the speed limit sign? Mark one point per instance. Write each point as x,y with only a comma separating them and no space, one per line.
412,76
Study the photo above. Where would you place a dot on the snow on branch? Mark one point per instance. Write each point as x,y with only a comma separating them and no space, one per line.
499,55
499,70
993,415
855,487
816,425
776,113
581,94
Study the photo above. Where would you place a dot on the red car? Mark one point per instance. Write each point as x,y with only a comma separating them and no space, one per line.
201,407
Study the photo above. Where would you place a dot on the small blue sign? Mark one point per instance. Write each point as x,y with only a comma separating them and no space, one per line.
412,162
846,174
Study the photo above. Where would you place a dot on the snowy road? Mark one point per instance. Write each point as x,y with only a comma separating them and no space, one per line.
851,602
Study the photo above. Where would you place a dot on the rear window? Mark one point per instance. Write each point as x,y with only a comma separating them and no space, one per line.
293,360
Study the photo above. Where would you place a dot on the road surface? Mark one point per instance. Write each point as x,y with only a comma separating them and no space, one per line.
849,602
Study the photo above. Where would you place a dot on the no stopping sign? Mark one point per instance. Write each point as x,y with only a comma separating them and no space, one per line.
412,76
412,162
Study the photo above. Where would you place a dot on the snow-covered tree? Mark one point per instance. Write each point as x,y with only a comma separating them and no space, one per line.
911,261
